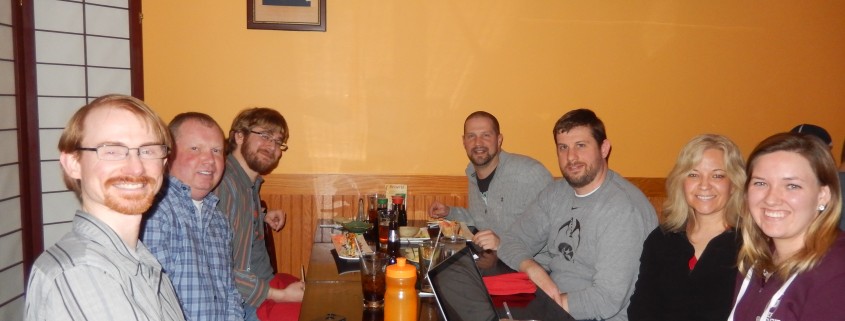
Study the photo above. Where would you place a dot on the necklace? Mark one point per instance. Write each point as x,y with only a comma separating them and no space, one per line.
766,275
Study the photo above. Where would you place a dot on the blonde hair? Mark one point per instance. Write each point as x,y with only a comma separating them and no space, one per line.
756,251
71,138
677,212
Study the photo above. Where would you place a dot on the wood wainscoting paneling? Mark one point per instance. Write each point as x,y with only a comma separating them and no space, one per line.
308,198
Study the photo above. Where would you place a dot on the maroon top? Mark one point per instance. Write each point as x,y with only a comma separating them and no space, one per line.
814,295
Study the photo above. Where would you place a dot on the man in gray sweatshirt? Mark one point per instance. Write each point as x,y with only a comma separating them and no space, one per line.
501,184
593,224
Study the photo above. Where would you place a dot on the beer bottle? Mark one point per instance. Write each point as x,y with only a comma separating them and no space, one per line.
393,243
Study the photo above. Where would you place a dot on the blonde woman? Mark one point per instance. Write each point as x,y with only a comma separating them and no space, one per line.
688,264
793,258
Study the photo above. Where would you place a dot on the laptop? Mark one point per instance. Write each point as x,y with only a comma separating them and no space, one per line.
461,294
459,289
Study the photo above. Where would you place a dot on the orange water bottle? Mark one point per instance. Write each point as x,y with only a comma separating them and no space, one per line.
400,299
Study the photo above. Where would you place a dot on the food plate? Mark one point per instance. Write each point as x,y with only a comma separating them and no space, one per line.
451,228
422,235
346,247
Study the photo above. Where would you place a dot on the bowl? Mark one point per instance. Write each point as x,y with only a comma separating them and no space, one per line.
357,226
341,219
408,231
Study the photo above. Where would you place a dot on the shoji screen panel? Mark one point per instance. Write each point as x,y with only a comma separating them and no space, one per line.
82,52
11,249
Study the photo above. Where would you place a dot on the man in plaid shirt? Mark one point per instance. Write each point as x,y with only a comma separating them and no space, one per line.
186,232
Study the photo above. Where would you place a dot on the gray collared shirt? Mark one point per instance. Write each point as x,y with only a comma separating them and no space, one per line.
90,274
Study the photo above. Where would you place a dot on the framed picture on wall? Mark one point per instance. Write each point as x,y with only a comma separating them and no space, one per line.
298,15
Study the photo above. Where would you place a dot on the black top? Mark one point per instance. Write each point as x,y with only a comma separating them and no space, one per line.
484,184
668,290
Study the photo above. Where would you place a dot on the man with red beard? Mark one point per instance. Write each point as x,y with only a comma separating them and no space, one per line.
257,138
501,184
593,225
113,154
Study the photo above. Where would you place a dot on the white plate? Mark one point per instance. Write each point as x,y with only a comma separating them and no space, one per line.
339,247
413,240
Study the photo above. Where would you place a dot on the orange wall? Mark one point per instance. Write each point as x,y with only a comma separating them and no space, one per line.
386,88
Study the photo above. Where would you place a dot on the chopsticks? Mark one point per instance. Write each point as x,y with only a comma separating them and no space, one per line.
302,272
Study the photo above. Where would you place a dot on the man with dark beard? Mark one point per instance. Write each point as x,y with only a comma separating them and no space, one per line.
112,154
593,225
494,204
257,138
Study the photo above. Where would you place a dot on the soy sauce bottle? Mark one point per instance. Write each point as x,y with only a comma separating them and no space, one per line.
402,216
399,210
372,217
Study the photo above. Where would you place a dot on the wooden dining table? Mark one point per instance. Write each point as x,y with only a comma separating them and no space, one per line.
329,293
333,295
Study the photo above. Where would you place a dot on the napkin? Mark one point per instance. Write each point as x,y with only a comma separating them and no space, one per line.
509,283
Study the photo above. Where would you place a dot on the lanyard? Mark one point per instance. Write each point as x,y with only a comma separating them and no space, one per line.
773,302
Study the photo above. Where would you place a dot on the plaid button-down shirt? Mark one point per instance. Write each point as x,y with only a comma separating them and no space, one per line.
195,251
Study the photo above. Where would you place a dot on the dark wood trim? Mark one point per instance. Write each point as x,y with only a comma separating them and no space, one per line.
23,21
136,48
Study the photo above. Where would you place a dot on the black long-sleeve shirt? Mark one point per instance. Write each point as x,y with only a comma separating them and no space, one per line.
668,290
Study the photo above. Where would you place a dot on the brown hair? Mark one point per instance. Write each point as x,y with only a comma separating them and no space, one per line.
73,133
484,114
581,117
676,210
756,251
268,118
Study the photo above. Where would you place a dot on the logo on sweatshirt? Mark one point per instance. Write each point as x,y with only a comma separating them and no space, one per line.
569,238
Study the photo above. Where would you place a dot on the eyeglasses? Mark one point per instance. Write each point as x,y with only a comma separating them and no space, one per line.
120,152
267,138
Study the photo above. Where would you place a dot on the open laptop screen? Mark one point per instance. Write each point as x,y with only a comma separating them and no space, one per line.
459,289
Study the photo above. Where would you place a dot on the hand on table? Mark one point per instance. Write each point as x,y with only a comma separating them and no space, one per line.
486,239
542,279
276,219
438,210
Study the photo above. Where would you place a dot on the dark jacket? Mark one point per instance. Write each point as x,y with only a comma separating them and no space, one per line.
666,288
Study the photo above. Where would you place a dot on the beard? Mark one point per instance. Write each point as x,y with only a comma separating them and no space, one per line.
134,203
482,160
255,161
587,177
